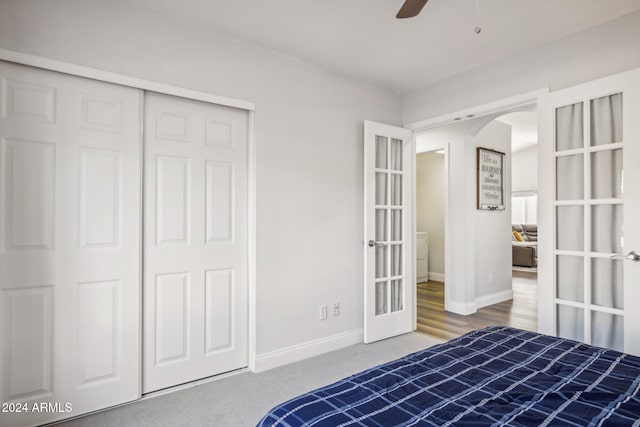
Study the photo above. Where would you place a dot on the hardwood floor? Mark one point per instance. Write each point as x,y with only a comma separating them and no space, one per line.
521,312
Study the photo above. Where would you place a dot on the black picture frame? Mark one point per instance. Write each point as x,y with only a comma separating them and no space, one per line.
490,179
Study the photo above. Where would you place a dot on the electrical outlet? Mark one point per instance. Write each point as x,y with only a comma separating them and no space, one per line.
323,312
490,277
336,309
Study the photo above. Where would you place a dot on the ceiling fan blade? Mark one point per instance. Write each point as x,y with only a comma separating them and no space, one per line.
411,8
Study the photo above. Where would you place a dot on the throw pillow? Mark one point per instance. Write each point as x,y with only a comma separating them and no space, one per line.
518,236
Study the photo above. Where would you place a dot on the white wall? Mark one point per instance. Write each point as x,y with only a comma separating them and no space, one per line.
524,170
479,242
430,198
598,52
309,130
491,229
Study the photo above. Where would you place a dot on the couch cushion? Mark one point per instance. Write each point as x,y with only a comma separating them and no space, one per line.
530,232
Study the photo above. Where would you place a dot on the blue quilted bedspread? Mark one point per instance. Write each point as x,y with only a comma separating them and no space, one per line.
494,376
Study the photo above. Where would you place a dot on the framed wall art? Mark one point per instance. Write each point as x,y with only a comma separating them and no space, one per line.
490,179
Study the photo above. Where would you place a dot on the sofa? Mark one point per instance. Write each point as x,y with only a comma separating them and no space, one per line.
525,252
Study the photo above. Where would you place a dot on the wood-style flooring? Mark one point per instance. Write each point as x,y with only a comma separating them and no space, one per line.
521,312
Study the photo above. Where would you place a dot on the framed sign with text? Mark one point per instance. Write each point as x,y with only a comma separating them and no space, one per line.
490,179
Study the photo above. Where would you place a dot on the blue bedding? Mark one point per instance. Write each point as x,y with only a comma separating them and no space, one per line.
493,376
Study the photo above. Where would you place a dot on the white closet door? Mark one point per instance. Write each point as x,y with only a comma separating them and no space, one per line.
69,243
195,256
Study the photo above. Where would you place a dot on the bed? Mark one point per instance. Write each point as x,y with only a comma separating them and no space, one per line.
493,376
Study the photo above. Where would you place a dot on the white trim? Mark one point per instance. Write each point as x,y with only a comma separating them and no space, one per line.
494,298
308,349
414,227
251,232
436,277
462,308
447,223
502,105
141,102
121,79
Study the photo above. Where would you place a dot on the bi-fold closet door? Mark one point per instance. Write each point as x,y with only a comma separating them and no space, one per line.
73,277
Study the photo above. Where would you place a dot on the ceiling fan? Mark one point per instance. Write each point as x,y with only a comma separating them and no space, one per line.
411,8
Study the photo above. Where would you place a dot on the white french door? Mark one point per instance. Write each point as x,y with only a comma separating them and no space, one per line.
195,257
594,155
70,189
388,268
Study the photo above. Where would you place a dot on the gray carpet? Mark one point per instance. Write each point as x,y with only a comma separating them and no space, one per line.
242,400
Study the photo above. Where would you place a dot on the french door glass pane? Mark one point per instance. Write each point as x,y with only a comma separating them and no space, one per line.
606,283
569,127
396,225
606,228
606,174
381,298
570,228
381,262
570,177
606,120
381,152
396,190
396,154
381,188
389,225
570,322
396,260
570,278
607,330
381,225
397,295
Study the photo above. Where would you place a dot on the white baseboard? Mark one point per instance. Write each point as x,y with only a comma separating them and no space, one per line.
461,307
298,352
495,298
436,277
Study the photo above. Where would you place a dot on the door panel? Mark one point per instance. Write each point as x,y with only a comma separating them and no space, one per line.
195,261
595,143
69,251
389,240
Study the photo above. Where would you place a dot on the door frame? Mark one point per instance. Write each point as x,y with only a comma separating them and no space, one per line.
446,147
494,108
193,94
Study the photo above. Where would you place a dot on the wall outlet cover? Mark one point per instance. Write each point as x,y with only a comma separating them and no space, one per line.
336,309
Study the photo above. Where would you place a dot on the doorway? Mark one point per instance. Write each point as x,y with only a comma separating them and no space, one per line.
475,289
431,192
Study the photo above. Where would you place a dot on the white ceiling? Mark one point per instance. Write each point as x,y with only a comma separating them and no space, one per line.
524,129
363,39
